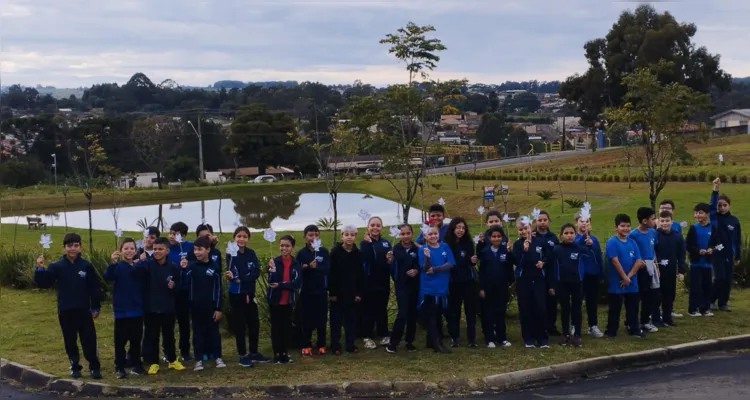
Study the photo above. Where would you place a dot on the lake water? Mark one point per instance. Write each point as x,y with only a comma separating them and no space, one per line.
282,212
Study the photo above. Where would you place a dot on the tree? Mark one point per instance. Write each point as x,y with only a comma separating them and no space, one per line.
259,137
661,114
639,39
155,141
524,101
182,169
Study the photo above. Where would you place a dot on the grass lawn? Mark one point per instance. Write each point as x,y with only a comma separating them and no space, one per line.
31,336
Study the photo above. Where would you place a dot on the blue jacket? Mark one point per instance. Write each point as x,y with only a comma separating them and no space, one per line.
567,260
671,247
273,295
526,261
244,267
215,256
377,270
592,265
701,237
485,242
78,286
127,291
550,240
436,283
495,268
728,230
405,260
204,283
314,280
176,252
464,270
158,297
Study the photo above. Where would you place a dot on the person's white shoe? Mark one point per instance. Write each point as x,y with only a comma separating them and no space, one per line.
198,366
491,345
370,344
695,314
676,315
220,363
595,332
708,314
386,341
650,328
505,343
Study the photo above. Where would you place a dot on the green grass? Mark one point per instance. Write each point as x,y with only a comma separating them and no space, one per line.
31,336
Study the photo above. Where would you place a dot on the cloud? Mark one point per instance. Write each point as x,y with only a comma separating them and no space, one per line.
81,42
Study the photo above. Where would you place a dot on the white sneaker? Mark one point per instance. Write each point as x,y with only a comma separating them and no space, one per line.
505,343
491,345
386,341
370,344
220,363
572,331
198,366
650,328
708,314
595,332
676,315
695,314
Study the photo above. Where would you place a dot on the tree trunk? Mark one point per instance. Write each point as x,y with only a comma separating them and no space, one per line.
455,176
65,209
562,196
473,178
160,221
406,210
334,204
158,180
91,229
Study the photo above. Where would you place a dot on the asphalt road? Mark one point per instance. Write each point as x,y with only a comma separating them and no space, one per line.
725,377
502,162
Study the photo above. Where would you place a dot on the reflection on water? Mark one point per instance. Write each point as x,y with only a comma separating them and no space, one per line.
282,212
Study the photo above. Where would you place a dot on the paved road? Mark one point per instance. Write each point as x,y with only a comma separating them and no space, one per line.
503,162
724,377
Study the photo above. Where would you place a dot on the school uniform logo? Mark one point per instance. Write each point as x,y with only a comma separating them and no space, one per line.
82,274
210,272
319,259
573,256
413,255
502,257
652,241
539,250
730,227
551,243
214,258
444,254
632,253
385,244
463,253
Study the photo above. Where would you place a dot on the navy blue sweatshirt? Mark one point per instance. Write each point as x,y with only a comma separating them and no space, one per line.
127,291
314,280
728,229
592,265
701,237
377,270
670,246
346,277
204,283
526,261
245,267
464,270
273,295
404,260
567,262
550,240
495,268
158,297
78,286
175,254
486,240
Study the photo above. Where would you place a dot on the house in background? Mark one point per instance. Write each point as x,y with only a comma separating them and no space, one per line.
253,172
732,122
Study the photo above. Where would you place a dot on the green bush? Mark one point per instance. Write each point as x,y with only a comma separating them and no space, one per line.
734,178
545,194
702,176
574,203
617,178
743,179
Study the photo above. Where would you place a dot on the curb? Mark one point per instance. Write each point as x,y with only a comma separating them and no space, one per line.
31,378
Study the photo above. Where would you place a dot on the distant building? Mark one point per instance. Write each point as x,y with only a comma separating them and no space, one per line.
252,172
732,121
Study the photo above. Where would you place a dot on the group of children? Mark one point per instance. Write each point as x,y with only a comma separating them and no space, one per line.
434,276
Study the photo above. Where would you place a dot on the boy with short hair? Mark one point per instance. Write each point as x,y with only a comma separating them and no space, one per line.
313,296
78,302
593,274
648,277
162,281
668,205
206,230
670,254
624,262
147,250
543,233
206,302
702,239
177,252
730,237
492,218
435,213
346,287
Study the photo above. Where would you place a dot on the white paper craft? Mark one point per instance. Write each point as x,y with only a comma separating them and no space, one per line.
480,210
476,239
719,247
721,158
45,240
394,231
441,201
683,224
664,262
316,244
364,215
535,213
139,244
506,218
232,249
178,238
145,233
585,214
424,228
118,232
525,221
270,235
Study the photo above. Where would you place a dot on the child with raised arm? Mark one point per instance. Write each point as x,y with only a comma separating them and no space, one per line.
436,260
314,296
593,274
724,260
375,248
648,277
78,302
127,304
702,240
404,260
530,258
177,252
670,256
543,233
345,289
495,277
284,278
242,273
147,250
206,302
435,213
463,287
624,262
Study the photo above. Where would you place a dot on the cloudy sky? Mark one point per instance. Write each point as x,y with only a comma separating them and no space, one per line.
75,43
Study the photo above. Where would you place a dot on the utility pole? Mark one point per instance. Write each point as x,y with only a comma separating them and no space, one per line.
200,145
54,165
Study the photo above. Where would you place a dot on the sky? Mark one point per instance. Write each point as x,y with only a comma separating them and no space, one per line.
76,43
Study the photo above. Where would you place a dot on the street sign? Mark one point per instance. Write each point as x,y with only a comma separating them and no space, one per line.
489,193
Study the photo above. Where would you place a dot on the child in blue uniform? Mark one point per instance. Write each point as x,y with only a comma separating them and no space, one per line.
670,255
730,237
463,287
436,260
404,260
543,233
648,280
374,249
284,279
624,262
345,289
436,214
314,295
495,277
701,242
593,275
530,257
177,252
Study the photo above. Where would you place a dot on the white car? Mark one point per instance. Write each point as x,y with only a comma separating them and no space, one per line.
372,171
264,179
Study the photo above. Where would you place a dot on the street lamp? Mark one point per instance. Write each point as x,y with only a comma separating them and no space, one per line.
54,165
200,148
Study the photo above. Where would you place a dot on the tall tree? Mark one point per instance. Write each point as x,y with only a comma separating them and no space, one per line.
259,137
155,142
661,114
639,39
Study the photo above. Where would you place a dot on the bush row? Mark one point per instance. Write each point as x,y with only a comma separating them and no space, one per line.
702,176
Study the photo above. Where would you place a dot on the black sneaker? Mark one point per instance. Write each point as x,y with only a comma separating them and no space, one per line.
639,333
278,360
75,371
454,343
119,372
96,374
390,348
411,347
138,371
725,308
186,357
473,345
285,359
258,358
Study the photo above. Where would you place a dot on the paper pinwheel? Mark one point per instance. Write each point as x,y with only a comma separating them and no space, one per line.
719,247
394,231
587,205
441,201
535,213
721,158
139,244
506,218
145,233
363,215
316,244
118,232
178,238
684,224
232,249
664,262
269,234
45,240
424,228
585,214
525,221
476,239
480,210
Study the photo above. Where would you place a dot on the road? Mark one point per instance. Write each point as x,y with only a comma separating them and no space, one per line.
724,377
502,162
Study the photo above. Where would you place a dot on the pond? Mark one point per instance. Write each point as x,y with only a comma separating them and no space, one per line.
282,212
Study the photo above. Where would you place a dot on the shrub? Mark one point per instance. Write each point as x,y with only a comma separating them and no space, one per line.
743,179
723,177
734,178
673,178
574,203
702,176
683,178
617,178
575,177
545,194
437,186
